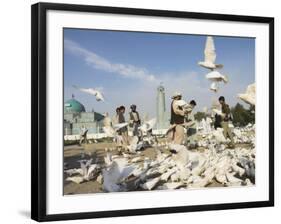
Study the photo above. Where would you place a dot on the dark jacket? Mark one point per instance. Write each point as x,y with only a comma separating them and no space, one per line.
138,121
175,118
121,119
226,110
218,120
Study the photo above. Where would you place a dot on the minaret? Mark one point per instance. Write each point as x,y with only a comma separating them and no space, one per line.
160,107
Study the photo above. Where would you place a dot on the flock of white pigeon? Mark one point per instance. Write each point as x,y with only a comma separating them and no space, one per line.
216,77
183,169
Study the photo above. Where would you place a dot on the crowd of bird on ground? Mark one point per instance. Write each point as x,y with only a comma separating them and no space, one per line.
175,166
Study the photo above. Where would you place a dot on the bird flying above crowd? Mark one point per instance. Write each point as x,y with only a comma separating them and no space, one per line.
215,77
97,93
210,55
250,95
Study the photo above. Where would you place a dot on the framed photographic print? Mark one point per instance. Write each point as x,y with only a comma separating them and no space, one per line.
139,111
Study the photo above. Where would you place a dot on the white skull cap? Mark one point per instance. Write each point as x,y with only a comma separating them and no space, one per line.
176,94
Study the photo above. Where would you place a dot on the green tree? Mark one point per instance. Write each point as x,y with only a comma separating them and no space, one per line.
199,116
242,116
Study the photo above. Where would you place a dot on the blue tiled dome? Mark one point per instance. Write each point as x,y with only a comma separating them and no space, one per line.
73,106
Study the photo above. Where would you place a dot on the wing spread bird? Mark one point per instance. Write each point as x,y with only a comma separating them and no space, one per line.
112,131
250,95
99,96
148,125
181,103
116,127
210,55
109,131
215,76
217,111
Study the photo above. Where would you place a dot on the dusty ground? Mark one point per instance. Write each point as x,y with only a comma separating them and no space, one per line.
97,151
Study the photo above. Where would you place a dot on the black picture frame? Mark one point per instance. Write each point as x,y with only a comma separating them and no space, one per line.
39,114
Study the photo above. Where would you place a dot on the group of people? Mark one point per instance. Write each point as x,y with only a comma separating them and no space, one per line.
134,123
182,117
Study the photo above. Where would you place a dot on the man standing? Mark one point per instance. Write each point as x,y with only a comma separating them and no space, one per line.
115,119
225,121
124,130
177,119
134,120
83,135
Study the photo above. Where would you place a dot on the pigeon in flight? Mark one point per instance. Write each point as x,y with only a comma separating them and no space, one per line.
99,96
250,95
112,131
214,86
210,55
148,125
215,77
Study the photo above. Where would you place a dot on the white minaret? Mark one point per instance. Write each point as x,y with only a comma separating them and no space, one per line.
161,107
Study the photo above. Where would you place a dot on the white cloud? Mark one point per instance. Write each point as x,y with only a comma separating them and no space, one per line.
98,62
192,85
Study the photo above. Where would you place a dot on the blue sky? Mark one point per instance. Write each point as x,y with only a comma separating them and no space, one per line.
128,67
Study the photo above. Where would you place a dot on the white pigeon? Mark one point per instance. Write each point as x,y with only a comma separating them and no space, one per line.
120,125
71,172
215,76
180,103
250,95
136,160
75,179
109,131
214,86
148,125
210,55
165,176
85,165
87,172
177,147
218,135
99,96
133,144
150,183
217,111
199,182
206,126
215,104
115,174
232,180
108,159
92,172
